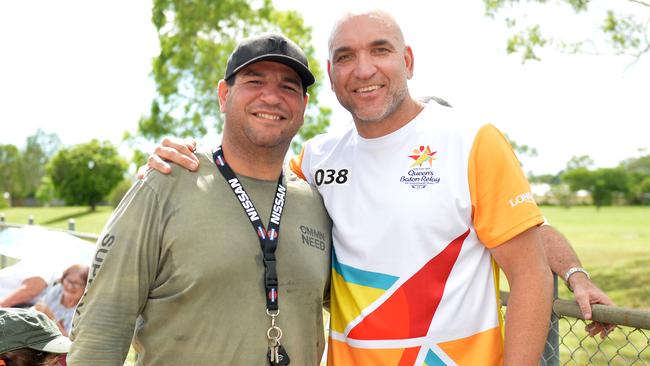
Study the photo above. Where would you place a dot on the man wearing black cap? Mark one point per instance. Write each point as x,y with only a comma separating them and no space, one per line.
229,266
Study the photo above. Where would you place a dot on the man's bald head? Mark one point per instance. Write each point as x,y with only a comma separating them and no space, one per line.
344,25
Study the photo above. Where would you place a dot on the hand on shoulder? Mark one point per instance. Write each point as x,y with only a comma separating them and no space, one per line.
171,150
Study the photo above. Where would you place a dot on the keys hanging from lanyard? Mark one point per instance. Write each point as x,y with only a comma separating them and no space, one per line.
268,242
277,355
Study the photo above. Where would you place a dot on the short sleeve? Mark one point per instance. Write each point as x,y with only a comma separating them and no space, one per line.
295,164
502,202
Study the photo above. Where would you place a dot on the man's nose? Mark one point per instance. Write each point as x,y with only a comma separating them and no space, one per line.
271,94
365,67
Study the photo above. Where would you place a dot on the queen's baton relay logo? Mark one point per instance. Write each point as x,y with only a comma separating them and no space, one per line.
420,173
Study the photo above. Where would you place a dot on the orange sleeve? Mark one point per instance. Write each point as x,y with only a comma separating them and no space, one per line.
295,164
502,203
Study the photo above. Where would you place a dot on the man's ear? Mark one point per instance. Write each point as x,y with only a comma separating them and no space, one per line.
329,73
408,59
223,90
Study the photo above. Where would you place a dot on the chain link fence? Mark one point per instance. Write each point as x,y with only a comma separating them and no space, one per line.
568,342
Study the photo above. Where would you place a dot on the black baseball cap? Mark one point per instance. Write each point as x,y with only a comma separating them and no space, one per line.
270,47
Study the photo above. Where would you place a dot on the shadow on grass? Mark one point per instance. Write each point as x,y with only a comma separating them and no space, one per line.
65,218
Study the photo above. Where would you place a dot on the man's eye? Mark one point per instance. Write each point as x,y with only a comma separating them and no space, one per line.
343,58
290,88
381,50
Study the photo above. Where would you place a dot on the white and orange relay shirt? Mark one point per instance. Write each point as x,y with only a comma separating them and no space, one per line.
414,214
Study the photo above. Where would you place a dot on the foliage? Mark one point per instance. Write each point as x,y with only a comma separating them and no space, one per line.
642,189
196,38
562,195
606,182
639,170
622,31
116,195
545,178
45,193
39,148
578,178
640,165
582,161
3,202
139,158
21,170
10,171
522,149
85,173
602,183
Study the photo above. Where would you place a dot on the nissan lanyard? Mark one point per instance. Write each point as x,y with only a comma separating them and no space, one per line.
268,242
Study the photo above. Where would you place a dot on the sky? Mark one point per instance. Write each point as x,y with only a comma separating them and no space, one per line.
81,69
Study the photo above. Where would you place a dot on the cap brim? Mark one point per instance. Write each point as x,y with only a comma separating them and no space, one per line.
306,76
59,344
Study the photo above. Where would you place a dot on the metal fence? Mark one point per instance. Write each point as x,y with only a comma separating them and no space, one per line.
92,238
568,343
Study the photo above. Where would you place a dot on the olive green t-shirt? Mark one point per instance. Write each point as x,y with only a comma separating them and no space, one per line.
180,264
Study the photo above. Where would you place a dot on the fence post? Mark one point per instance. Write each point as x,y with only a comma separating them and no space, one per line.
2,217
30,220
551,355
71,225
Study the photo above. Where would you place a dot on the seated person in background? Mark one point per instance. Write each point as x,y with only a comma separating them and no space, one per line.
28,337
22,284
60,300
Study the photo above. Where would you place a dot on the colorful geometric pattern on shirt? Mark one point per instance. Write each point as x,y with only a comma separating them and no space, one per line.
404,314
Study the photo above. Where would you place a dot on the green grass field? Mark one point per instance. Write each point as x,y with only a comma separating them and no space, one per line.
86,221
614,245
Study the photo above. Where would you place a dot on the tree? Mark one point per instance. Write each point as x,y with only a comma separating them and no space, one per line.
622,31
578,178
582,161
639,170
45,193
11,171
39,148
85,173
607,182
521,149
643,191
602,183
196,38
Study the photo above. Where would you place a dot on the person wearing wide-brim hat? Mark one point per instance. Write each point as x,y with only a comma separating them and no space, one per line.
29,337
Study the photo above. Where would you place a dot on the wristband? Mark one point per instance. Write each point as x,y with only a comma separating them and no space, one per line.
570,272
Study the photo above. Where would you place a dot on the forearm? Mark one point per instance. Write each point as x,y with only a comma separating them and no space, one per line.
559,253
20,296
527,318
102,334
28,290
531,294
43,308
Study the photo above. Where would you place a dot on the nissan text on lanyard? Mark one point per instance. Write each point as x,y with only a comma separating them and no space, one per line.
269,242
